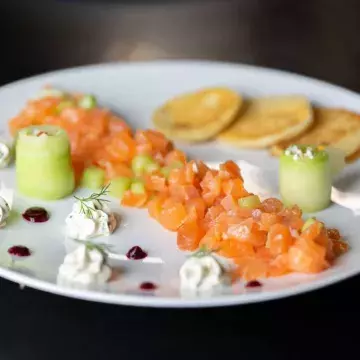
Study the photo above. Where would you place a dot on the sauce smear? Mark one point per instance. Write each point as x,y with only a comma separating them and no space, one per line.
19,250
253,284
148,286
36,215
136,253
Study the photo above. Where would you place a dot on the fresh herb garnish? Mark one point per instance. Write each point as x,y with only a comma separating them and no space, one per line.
101,247
203,251
85,208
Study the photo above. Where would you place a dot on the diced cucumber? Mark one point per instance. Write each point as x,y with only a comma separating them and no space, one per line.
306,181
307,223
249,202
152,167
118,186
50,92
137,187
141,163
93,178
64,104
176,165
87,102
165,171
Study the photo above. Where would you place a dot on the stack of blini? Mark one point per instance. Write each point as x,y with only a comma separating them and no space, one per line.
272,122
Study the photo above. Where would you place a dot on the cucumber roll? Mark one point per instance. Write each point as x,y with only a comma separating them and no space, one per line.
305,178
43,163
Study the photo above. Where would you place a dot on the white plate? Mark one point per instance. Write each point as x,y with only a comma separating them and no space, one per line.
134,90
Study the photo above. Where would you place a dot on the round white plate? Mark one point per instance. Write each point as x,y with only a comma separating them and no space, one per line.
134,91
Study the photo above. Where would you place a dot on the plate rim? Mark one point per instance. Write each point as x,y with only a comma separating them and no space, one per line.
171,302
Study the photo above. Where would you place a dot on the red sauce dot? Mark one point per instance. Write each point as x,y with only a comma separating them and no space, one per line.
253,283
148,286
136,253
36,215
19,250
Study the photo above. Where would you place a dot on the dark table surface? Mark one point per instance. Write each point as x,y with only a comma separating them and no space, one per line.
316,38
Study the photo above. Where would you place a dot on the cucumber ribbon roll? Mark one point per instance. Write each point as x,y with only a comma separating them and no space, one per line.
43,163
305,178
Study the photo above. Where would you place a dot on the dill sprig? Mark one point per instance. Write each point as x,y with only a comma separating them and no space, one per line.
85,208
203,251
103,248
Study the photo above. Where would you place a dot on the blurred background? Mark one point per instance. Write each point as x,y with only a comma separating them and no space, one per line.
313,37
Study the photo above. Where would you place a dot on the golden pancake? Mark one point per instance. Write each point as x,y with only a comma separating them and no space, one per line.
337,128
269,120
198,116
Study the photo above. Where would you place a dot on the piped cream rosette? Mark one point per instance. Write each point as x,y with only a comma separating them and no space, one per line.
6,202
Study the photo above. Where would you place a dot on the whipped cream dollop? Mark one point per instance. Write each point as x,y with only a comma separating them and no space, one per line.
6,201
39,133
89,219
84,267
297,152
201,273
5,155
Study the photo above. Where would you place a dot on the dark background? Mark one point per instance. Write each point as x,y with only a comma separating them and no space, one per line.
318,38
